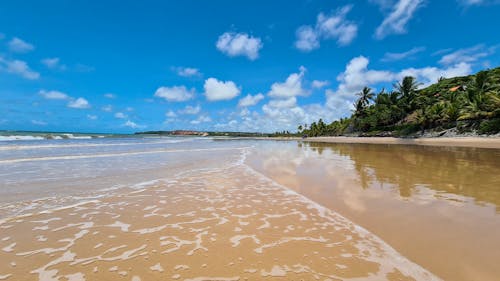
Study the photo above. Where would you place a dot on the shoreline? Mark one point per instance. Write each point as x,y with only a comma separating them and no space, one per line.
478,142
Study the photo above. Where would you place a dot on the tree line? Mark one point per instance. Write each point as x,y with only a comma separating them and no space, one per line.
470,103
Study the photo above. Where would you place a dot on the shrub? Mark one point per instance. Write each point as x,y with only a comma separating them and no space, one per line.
489,127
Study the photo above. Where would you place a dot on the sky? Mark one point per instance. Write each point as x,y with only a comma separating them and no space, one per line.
255,66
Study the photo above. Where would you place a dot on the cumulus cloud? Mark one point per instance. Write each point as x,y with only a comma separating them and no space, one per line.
175,93
334,26
318,84
429,75
132,125
53,95
79,103
282,103
187,71
357,75
307,38
216,90
190,110
18,67
239,44
120,115
110,96
18,45
91,117
250,100
292,86
54,64
397,20
403,55
170,114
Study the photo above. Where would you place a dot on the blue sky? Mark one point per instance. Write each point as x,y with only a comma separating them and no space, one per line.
125,66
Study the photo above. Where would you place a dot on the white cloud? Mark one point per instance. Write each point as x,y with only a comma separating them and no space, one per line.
307,38
18,45
398,18
187,71
292,87
250,100
429,75
110,96
318,84
92,117
170,114
334,26
129,108
478,2
53,95
175,93
216,90
468,55
383,4
190,110
239,44
120,115
357,75
132,125
53,63
282,103
38,122
18,67
107,108
404,55
79,103
201,119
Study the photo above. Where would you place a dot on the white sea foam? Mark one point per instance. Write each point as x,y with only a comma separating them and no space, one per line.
105,155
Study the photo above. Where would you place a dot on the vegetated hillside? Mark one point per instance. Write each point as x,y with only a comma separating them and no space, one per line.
459,105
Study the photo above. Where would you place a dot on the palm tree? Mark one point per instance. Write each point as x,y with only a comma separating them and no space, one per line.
407,87
366,95
359,108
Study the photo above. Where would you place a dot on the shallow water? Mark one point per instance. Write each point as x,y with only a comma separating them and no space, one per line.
201,209
438,206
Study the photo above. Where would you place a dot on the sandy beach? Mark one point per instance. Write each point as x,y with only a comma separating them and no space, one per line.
219,221
199,209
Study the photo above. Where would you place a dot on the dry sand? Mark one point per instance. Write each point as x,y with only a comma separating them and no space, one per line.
480,142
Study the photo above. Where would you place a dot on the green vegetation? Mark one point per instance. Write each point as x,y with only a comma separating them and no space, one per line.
468,104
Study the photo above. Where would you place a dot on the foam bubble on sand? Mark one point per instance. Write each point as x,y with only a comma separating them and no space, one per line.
235,240
49,275
276,271
136,278
181,267
123,226
213,279
157,267
76,277
9,248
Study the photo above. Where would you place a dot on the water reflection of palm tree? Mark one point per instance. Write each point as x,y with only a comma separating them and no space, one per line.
470,172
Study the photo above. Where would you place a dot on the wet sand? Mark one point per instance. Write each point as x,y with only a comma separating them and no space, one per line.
438,206
228,223
445,141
